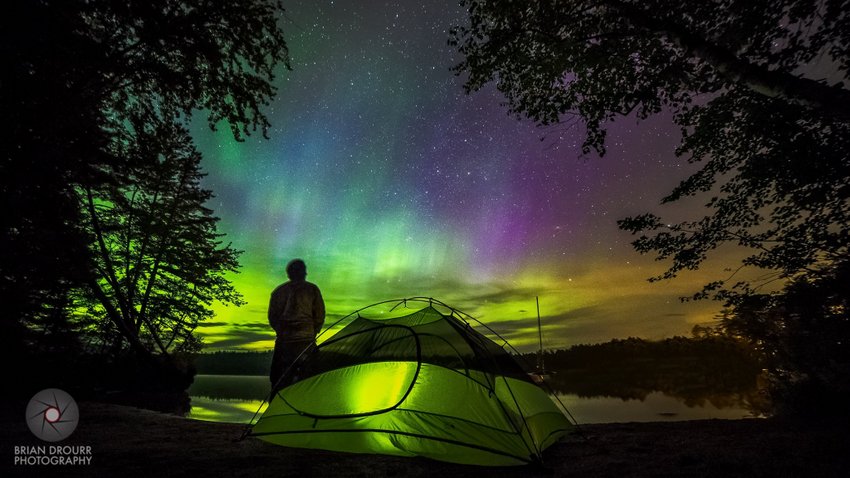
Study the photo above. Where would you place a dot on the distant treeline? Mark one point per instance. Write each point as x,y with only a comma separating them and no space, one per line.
712,350
233,363
716,369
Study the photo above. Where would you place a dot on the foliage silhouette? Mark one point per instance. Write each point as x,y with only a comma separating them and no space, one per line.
81,79
760,92
771,136
803,336
155,247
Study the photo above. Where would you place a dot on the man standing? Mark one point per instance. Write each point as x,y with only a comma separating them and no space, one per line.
296,313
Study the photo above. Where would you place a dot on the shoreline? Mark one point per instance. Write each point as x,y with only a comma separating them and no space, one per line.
130,442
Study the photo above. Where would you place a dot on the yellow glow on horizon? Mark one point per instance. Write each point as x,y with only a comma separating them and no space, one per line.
605,300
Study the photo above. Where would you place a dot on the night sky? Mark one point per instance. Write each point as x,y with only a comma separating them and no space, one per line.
390,181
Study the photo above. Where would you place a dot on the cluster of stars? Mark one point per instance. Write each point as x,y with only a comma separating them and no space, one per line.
381,170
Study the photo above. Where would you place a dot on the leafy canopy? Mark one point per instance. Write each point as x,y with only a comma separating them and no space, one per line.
159,259
758,87
80,80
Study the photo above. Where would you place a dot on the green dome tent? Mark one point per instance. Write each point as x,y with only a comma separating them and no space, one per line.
424,384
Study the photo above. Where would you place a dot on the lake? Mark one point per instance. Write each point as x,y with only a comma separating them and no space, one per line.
236,398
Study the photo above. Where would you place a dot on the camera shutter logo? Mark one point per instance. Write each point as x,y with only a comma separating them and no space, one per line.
52,415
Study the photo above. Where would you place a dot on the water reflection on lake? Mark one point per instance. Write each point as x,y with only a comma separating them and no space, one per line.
236,398
656,406
225,409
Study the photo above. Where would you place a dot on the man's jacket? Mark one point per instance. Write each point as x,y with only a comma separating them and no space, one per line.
296,311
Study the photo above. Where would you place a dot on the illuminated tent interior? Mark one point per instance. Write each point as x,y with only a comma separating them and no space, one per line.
423,384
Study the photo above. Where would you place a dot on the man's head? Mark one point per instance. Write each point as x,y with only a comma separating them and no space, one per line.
296,269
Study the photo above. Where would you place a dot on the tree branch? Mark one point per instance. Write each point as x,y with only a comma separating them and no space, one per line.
107,260
832,100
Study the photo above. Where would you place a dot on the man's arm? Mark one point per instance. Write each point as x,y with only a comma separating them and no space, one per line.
318,312
276,308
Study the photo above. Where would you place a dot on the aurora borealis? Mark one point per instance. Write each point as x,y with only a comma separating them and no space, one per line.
390,181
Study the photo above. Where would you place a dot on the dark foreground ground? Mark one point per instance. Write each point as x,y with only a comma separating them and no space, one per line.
129,442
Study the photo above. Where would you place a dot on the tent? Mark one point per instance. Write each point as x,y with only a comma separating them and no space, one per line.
423,384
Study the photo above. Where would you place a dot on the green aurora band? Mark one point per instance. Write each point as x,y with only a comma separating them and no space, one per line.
390,182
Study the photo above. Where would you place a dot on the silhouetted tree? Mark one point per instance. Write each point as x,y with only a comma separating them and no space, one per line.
803,336
77,76
155,247
759,89
770,129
